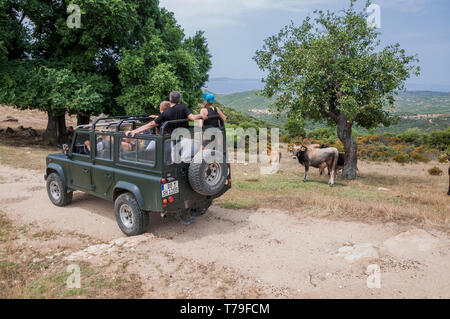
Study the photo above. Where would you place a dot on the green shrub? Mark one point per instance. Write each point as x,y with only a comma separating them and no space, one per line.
419,155
443,159
401,158
439,140
414,136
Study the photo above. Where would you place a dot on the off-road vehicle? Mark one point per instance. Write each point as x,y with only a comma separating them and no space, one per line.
139,174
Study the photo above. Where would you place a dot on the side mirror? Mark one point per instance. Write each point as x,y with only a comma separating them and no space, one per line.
65,148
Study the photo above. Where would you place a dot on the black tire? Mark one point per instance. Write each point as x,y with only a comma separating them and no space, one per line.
131,219
57,191
207,176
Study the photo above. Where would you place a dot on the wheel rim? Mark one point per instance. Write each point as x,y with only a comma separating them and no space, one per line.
55,191
213,173
126,215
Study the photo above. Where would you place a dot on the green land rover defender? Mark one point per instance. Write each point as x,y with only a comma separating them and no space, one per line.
140,174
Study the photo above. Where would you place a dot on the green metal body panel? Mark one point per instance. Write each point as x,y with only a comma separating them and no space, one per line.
109,178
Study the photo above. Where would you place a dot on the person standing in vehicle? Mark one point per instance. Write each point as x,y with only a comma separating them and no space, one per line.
213,114
210,110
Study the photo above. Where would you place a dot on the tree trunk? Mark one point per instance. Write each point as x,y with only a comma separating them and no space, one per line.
62,129
56,132
83,119
344,131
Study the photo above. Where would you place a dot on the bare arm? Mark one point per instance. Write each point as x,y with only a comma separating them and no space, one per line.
222,116
193,117
204,113
143,128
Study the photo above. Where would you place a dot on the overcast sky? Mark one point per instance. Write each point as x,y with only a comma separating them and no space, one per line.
235,29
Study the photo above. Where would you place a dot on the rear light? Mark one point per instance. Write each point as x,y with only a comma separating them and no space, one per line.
171,199
229,164
229,182
163,181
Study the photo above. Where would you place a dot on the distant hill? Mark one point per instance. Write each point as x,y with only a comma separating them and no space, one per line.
225,85
426,110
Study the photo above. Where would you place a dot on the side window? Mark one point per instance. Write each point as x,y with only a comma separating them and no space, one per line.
147,151
104,147
168,152
127,149
138,150
82,145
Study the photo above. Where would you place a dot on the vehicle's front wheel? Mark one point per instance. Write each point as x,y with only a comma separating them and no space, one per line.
57,190
131,219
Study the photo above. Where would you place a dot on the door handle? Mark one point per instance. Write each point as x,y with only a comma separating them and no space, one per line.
109,176
86,170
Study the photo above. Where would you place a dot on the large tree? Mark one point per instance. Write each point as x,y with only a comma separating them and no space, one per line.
332,68
126,57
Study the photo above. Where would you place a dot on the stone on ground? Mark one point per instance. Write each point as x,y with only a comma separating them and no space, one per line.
411,243
358,253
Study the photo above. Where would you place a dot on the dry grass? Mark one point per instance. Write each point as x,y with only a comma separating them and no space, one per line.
413,196
26,271
24,156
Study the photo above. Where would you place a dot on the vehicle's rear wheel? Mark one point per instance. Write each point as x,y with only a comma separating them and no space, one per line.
57,191
131,219
208,175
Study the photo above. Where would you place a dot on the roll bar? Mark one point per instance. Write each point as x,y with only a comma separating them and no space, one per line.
133,118
161,131
120,118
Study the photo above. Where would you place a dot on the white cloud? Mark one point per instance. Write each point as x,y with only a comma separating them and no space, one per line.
205,14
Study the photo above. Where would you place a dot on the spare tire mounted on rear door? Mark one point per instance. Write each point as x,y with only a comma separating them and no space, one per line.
208,172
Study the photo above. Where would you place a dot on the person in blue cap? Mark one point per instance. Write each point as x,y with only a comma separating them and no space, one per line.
209,110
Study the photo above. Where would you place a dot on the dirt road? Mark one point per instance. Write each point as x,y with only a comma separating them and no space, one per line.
237,253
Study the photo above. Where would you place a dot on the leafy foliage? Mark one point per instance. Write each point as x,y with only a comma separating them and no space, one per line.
331,67
126,57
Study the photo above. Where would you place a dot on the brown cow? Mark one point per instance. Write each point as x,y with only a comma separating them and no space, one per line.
318,157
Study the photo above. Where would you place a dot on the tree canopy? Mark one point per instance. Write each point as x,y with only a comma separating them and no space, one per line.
332,67
125,58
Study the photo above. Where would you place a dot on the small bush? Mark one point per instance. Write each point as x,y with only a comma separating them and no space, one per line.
443,159
419,154
401,158
435,171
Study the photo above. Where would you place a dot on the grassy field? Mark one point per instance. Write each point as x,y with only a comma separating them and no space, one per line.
412,195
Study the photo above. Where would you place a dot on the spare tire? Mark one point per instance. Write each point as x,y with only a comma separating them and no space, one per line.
208,173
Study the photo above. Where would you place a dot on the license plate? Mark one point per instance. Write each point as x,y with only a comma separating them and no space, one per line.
169,189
